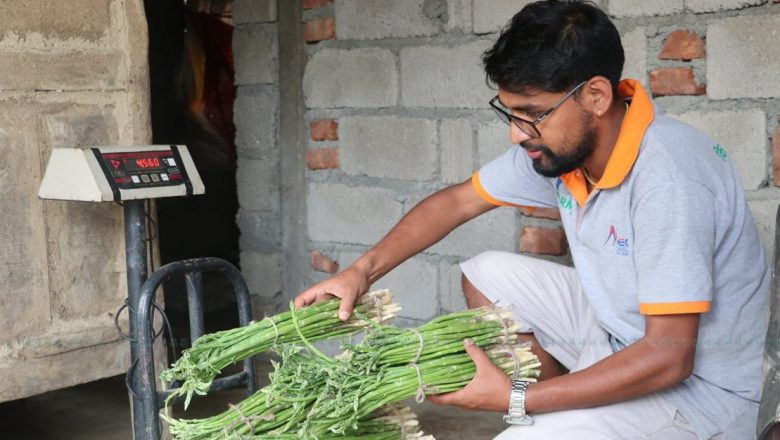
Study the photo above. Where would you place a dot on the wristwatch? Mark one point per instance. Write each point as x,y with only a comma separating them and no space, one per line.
517,414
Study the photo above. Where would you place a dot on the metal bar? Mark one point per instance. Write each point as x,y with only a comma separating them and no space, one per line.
244,318
194,281
151,399
147,389
223,383
135,254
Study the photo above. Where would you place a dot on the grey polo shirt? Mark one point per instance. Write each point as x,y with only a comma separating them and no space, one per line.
666,230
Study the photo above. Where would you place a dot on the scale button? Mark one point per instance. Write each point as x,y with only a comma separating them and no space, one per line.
135,179
155,178
171,162
164,177
144,178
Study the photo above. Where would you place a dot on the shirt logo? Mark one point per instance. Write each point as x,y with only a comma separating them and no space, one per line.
619,243
720,151
565,202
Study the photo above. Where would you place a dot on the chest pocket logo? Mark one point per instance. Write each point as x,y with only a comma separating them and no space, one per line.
564,201
720,151
619,243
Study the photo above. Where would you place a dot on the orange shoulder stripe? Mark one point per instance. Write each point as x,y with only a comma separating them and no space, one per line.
673,308
484,194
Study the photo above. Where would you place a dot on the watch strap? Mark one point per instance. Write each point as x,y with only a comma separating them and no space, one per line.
517,414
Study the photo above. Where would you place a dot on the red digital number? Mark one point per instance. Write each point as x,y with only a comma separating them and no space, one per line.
147,163
153,162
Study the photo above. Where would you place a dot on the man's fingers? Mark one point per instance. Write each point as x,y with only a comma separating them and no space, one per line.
445,399
479,357
304,299
311,296
476,354
345,309
315,295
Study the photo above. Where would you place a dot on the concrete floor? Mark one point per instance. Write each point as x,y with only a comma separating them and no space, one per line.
100,410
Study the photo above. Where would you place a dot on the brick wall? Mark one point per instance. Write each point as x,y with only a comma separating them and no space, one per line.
74,74
396,103
396,108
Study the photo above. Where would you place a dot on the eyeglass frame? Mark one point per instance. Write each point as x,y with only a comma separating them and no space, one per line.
510,118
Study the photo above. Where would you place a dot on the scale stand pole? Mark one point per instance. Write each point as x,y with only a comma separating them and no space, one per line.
137,273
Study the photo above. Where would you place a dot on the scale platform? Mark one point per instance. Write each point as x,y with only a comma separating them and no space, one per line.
103,174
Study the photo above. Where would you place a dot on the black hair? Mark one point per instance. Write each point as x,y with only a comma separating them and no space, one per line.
553,45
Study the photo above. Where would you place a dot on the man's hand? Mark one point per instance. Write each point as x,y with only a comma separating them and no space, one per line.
489,390
427,223
347,285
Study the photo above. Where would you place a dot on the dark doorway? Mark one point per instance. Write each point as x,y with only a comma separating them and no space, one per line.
192,94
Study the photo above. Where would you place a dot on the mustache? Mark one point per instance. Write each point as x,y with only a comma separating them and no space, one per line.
538,147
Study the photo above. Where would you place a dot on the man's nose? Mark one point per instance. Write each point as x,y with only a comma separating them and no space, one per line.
516,135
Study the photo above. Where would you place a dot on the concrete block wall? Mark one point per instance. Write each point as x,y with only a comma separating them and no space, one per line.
256,54
74,74
714,67
396,106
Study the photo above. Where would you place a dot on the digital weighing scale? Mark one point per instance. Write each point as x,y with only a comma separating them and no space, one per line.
105,174
131,175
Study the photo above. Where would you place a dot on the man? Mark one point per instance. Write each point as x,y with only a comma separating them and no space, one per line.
658,330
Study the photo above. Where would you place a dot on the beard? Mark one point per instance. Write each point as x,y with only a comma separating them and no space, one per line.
554,165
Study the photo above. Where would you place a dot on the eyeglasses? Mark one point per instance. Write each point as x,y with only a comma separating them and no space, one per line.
529,127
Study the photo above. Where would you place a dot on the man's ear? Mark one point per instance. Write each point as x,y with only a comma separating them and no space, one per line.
597,95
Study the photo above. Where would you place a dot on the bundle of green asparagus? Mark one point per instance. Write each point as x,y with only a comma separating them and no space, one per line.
212,352
312,395
388,423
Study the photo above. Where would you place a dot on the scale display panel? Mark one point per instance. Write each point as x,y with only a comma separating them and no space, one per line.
142,169
120,173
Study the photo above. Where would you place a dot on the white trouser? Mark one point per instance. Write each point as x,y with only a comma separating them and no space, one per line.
547,299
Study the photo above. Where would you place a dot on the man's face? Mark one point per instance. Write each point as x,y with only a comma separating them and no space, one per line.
568,136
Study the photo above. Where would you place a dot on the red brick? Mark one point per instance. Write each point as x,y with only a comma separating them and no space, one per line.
543,241
323,158
324,130
532,211
675,81
776,151
323,263
311,4
682,45
319,29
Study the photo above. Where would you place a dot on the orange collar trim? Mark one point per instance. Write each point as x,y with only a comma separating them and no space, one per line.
639,116
575,181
